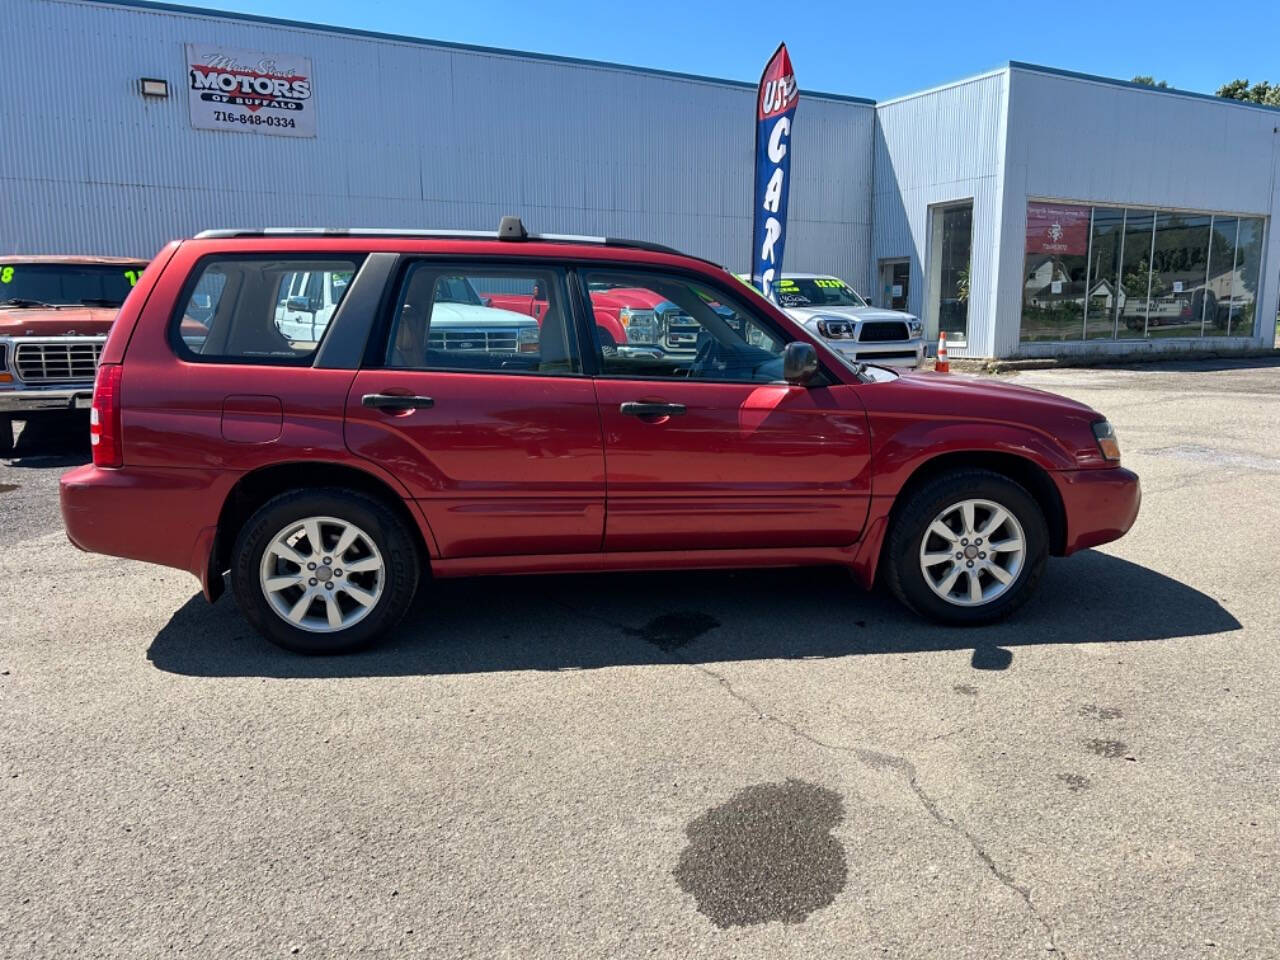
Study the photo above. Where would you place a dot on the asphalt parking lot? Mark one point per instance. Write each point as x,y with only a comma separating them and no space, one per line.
722,765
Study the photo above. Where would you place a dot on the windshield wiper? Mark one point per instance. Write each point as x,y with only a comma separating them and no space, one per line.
100,302
24,302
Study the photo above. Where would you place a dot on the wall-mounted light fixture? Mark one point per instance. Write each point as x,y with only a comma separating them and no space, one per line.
152,87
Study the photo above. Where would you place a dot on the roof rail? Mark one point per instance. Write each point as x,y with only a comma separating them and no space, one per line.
511,229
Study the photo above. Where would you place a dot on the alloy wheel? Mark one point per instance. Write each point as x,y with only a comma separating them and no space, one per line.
972,552
322,574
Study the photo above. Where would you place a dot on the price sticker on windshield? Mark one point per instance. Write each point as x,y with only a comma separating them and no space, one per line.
6,274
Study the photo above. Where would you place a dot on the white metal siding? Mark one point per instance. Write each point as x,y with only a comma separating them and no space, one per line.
1072,138
409,135
934,148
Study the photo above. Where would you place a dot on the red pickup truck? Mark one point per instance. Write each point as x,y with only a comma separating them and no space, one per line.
54,316
628,319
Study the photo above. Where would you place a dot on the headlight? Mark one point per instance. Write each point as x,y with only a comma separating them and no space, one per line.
527,340
915,328
835,329
1107,441
642,326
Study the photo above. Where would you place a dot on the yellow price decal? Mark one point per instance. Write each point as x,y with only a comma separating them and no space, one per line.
132,276
6,275
832,284
784,284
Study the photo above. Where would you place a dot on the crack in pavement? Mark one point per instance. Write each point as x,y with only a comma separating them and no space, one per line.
874,758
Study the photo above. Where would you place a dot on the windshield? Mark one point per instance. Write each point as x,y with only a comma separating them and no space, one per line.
97,285
815,292
456,290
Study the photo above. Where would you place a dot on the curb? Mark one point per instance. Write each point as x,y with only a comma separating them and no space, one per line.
1014,364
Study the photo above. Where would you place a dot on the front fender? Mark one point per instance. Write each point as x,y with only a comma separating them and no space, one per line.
902,445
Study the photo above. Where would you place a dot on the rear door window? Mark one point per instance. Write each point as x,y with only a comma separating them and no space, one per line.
261,309
499,319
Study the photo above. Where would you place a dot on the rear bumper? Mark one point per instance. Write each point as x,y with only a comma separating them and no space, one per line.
155,515
1100,505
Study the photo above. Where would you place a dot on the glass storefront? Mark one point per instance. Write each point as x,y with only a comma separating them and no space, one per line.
951,246
1103,273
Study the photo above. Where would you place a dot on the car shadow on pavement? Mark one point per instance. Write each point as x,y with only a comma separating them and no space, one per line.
54,441
605,620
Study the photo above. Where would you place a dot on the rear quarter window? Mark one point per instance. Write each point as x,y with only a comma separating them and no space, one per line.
276,309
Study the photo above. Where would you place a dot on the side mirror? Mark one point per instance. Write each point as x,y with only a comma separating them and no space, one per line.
799,363
299,305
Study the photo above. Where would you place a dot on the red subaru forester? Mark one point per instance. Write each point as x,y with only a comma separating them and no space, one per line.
330,415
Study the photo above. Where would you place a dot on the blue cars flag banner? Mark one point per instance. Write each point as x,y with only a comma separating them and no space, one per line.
775,112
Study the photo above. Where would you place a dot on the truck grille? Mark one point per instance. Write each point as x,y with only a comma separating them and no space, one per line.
57,362
486,341
681,332
881,331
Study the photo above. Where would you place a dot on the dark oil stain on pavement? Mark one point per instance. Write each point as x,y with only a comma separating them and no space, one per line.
6,487
671,631
1111,749
1101,713
765,854
1074,781
966,689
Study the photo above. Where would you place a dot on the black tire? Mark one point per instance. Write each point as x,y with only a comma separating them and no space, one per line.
391,536
6,437
902,561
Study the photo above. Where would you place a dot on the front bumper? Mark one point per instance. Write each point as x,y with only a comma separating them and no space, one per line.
904,354
29,400
1100,505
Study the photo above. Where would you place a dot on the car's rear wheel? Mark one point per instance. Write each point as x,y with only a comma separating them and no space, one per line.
967,548
324,571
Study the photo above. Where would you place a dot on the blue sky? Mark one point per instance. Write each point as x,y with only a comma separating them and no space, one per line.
876,50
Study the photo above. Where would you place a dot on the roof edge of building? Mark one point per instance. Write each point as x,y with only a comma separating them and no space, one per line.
158,6
1140,87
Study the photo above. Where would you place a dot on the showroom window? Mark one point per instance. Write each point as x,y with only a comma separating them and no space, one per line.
951,248
1104,273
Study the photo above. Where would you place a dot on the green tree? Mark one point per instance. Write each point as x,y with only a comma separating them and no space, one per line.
1149,81
1262,92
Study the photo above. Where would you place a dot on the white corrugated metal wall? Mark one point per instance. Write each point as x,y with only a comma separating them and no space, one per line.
410,134
1076,138
934,148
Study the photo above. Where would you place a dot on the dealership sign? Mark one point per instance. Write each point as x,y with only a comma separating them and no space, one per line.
250,91
776,101
1057,229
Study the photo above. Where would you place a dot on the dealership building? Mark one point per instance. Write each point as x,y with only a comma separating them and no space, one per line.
1026,211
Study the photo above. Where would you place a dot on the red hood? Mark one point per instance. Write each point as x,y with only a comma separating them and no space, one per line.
62,322
619,297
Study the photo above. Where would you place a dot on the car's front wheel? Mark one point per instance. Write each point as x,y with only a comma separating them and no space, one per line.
967,548
324,571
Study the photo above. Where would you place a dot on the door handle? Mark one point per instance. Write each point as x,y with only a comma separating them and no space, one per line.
395,401
641,408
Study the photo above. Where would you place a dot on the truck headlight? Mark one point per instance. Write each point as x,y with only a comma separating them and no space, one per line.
642,326
1108,443
528,340
835,329
915,329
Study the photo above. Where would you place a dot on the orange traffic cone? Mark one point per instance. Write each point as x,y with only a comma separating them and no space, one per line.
942,365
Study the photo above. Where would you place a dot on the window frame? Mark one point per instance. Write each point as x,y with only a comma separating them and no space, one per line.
824,377
174,326
375,357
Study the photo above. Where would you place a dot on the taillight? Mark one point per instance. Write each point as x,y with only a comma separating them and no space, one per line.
104,417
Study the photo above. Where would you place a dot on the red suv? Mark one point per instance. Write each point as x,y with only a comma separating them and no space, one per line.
328,474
